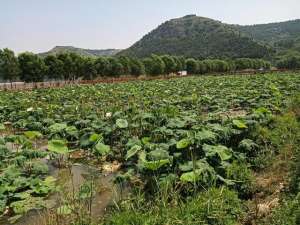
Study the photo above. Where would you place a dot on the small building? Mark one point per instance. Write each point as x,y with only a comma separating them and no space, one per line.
182,73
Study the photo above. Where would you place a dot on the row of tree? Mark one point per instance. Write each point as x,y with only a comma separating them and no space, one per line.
215,65
291,61
30,67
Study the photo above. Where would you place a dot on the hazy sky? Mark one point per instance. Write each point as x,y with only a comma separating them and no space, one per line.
38,25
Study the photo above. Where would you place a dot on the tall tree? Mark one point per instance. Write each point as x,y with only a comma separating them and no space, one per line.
154,65
137,67
32,67
55,67
89,70
116,68
192,66
170,64
125,61
9,66
102,66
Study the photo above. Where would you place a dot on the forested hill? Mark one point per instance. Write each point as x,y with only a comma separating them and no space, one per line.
81,51
199,37
281,36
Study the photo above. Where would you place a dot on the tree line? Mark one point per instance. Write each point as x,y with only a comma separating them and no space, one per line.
290,61
30,67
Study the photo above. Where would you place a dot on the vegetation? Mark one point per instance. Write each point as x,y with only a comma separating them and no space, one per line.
80,51
29,67
289,62
188,147
197,37
282,36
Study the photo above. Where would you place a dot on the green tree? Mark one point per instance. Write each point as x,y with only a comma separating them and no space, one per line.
72,65
9,66
154,65
78,64
289,62
116,68
125,61
33,68
89,70
137,67
55,67
170,64
192,66
102,66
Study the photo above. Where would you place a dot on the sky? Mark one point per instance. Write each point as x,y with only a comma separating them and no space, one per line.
39,25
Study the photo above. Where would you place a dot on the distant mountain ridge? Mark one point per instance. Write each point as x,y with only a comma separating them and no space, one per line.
200,37
82,51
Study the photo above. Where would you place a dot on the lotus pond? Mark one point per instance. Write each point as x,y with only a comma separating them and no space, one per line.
190,133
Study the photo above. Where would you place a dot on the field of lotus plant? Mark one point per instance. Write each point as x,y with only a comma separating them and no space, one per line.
190,133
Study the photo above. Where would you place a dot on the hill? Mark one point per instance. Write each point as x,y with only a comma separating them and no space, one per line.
199,37
81,51
282,36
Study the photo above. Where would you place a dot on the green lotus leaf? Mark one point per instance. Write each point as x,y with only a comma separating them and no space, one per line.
155,165
58,146
132,151
57,127
239,124
222,151
102,149
121,123
32,134
183,143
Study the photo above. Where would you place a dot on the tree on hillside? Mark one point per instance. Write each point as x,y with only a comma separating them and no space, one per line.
9,66
33,68
55,67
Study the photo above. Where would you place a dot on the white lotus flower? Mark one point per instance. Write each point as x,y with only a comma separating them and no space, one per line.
108,115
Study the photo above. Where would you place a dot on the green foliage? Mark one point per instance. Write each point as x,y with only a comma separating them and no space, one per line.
102,149
121,123
215,206
192,66
288,213
289,62
282,37
240,173
154,65
197,37
186,132
58,146
55,67
80,51
170,64
32,67
9,65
